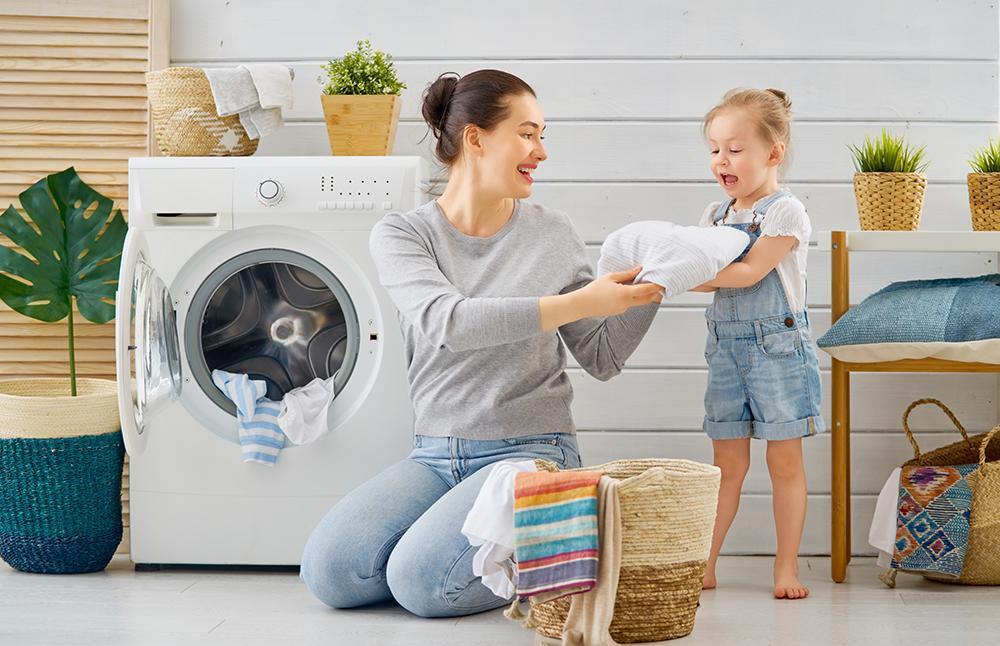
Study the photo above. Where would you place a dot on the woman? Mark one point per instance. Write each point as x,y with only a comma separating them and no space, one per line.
489,289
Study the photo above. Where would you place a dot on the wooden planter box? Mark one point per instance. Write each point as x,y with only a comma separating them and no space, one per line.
359,124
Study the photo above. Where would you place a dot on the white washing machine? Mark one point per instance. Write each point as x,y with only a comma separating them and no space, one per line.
259,266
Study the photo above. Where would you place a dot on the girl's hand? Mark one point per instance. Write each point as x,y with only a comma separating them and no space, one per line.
612,294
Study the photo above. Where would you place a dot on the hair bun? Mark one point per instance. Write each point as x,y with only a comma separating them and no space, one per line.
783,97
436,99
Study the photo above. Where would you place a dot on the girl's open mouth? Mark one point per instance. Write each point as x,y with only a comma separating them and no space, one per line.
729,180
526,171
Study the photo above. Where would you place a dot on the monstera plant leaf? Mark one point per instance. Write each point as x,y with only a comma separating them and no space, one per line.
71,247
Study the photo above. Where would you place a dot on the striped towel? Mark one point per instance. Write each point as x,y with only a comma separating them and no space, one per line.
257,417
555,525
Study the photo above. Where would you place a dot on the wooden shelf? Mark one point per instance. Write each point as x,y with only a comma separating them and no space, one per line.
840,244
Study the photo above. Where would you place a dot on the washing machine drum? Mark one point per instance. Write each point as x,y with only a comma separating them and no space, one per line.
276,322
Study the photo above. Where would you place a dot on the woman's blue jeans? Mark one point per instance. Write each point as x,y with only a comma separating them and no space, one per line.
398,536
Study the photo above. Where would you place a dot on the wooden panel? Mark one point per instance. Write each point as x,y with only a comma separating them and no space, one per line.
876,454
454,29
105,10
651,151
621,90
597,208
670,399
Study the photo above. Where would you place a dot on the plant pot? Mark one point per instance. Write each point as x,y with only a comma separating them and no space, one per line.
360,124
984,201
889,201
60,475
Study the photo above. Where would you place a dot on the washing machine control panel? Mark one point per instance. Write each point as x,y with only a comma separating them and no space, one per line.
335,192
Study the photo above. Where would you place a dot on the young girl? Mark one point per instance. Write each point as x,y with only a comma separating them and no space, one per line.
763,375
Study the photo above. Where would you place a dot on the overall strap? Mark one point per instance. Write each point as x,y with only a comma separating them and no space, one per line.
720,213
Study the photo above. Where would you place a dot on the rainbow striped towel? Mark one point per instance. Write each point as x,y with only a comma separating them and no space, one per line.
555,531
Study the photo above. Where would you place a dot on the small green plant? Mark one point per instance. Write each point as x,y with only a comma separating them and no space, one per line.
71,246
987,158
363,71
888,154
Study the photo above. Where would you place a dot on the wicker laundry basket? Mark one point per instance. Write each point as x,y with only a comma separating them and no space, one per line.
60,475
889,201
185,119
982,563
668,512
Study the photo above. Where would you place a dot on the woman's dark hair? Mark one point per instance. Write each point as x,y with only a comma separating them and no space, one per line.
479,98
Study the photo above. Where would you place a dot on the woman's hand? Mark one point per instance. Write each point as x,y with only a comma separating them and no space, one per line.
612,294
608,295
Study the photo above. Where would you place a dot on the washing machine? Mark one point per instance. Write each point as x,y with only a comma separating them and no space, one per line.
258,266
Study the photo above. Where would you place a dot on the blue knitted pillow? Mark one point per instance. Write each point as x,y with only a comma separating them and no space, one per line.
949,318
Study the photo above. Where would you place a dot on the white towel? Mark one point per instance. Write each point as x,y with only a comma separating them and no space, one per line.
303,419
235,93
257,417
882,535
678,258
490,524
273,83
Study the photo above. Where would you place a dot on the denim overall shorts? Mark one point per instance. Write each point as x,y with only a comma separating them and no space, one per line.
763,374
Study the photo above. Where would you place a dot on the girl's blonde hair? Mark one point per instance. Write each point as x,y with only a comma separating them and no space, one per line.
770,108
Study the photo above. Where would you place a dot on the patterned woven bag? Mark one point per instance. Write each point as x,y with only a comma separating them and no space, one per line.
981,566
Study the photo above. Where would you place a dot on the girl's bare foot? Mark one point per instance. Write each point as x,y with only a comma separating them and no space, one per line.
709,581
786,582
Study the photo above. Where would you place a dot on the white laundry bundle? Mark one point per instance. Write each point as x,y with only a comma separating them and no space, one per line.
264,425
678,258
490,524
257,93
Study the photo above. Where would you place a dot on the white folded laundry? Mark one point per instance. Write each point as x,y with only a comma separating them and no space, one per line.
678,258
274,84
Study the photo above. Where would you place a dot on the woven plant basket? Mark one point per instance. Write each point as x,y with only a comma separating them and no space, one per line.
889,201
984,201
185,119
668,512
60,475
982,565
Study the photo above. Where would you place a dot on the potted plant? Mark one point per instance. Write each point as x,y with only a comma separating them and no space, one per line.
984,187
61,448
361,102
889,184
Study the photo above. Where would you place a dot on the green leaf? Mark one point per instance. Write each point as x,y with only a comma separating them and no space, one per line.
71,247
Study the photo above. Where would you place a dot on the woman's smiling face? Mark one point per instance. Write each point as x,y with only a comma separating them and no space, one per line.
741,158
513,149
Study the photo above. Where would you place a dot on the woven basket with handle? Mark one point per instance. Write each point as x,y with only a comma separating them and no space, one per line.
185,120
668,512
889,201
982,565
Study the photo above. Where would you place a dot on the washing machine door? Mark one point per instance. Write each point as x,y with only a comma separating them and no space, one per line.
148,360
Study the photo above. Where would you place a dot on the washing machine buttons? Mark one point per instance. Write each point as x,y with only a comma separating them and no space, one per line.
270,192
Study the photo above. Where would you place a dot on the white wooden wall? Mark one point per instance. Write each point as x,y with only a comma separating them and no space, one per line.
624,87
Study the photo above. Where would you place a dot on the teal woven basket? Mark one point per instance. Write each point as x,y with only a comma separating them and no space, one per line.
60,497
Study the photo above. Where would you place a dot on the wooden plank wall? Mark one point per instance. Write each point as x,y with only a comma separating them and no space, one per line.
624,87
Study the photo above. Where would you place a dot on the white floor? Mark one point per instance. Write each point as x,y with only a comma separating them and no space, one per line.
120,606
